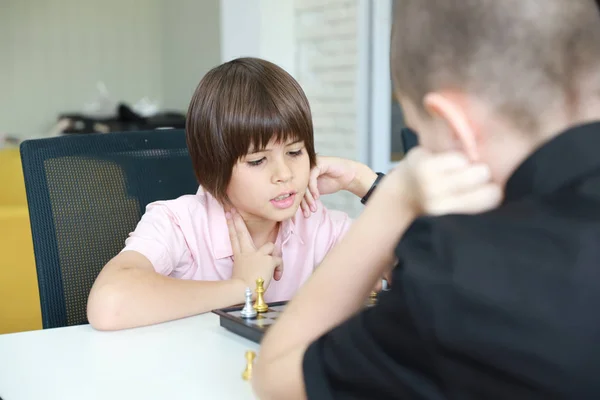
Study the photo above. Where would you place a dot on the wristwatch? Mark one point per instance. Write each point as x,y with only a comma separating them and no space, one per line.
373,186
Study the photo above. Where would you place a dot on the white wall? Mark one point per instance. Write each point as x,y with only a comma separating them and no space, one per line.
278,33
329,59
240,29
191,46
52,53
259,28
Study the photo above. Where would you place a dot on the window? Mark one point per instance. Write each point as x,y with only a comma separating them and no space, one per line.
384,114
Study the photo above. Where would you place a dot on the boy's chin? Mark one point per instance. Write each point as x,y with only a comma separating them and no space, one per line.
279,215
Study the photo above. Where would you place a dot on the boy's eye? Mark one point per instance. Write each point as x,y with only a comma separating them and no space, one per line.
295,153
255,163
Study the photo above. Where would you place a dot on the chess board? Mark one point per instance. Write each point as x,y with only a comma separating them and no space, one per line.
254,329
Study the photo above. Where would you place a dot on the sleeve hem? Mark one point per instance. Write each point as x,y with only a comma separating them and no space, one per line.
157,257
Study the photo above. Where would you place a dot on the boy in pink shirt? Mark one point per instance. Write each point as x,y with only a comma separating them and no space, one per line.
256,213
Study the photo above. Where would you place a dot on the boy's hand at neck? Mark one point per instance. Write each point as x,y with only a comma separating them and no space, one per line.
261,231
250,261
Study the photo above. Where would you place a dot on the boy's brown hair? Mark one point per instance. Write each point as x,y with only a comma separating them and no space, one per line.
243,104
527,58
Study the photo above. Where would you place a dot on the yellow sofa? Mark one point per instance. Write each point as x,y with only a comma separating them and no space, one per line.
19,296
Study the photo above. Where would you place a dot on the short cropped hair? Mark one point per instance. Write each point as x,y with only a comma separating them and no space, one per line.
518,55
243,104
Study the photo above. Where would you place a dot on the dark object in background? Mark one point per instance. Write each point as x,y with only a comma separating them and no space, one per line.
409,139
126,120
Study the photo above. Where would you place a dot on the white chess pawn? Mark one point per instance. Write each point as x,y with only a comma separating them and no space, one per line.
248,311
385,285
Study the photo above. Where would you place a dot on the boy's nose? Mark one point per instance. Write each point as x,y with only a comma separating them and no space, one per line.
282,173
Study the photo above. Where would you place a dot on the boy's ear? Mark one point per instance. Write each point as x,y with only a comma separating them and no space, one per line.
451,110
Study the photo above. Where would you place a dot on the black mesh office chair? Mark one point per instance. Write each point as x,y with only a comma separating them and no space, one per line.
86,193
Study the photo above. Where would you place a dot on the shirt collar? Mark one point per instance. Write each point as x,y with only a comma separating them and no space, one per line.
218,231
562,160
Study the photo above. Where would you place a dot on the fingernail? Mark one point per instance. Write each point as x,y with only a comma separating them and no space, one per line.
313,208
228,215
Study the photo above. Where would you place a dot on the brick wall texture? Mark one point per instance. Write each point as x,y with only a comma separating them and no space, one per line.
326,35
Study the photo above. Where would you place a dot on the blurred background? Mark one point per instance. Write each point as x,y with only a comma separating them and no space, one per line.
81,66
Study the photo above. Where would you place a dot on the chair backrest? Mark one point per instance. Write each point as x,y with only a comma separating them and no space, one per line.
85,194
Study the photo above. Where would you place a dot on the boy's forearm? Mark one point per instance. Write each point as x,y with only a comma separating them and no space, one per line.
342,283
138,297
363,180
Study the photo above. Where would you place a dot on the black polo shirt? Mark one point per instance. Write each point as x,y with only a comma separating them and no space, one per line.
500,305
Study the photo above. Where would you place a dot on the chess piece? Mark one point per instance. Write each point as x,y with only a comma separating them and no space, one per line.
247,374
248,311
385,286
372,298
260,305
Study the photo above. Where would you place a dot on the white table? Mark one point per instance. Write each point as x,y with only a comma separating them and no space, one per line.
193,358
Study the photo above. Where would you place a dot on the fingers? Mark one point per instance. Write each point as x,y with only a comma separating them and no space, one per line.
235,244
430,167
278,273
451,183
246,244
388,277
313,186
267,248
310,202
461,180
377,287
481,199
446,162
305,208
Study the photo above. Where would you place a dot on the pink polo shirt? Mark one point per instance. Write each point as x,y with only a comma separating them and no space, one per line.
187,238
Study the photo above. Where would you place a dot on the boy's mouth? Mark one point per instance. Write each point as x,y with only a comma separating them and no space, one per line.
282,196
284,200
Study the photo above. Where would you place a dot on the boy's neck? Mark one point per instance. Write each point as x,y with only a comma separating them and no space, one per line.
261,230
510,149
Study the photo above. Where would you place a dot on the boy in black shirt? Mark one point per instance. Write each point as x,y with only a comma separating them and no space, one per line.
488,300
